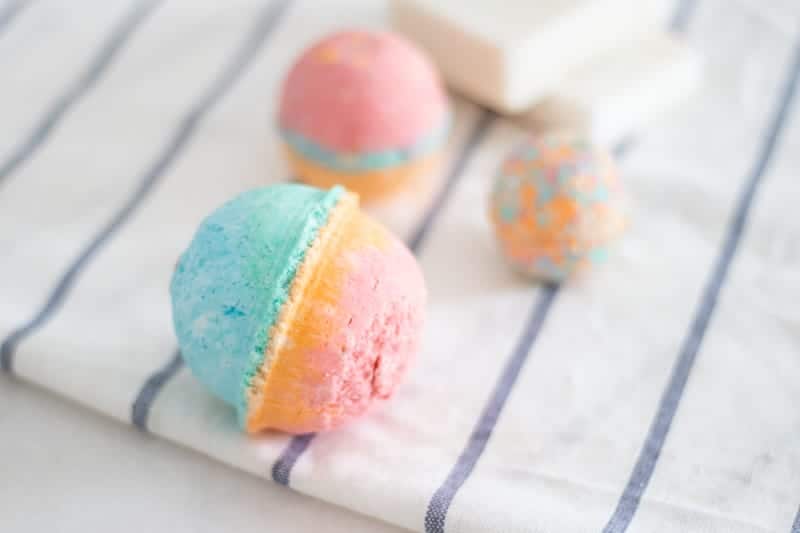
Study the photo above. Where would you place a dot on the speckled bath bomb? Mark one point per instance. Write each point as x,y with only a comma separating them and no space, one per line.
557,206
296,308
366,110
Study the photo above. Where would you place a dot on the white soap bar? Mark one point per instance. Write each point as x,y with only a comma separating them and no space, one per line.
508,54
619,93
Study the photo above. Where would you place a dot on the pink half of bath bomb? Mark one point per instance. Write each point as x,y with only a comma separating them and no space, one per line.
363,91
382,308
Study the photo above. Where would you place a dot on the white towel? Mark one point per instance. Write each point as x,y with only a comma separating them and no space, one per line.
657,395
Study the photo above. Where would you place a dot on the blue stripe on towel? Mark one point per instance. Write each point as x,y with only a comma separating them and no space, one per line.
670,400
117,39
439,504
10,13
242,58
140,410
682,15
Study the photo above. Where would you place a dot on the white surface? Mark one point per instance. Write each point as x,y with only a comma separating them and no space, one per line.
509,58
620,93
74,471
566,441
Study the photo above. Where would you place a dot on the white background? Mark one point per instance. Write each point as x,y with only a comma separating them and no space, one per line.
78,471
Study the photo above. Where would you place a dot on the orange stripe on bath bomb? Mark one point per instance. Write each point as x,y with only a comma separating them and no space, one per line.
371,185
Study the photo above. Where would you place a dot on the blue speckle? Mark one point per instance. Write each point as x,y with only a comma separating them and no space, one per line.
598,255
565,173
232,310
543,218
546,193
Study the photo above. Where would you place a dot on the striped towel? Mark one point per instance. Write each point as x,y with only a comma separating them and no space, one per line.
658,395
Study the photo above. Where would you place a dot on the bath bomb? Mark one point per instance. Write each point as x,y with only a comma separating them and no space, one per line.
557,206
296,308
364,109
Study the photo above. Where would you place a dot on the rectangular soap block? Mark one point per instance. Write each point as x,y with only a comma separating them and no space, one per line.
619,93
507,55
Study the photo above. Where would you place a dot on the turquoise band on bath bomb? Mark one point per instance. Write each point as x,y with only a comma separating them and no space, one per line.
344,162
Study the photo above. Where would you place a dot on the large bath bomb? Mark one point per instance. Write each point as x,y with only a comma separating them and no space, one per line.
296,308
557,206
364,109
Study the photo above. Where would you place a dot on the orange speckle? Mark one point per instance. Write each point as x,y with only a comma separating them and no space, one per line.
329,55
